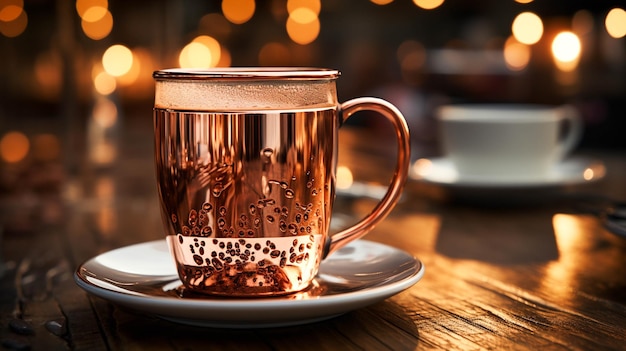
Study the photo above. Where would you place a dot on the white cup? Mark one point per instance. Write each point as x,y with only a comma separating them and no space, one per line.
507,141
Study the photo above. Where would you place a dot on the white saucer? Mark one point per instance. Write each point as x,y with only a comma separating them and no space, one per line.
143,277
571,171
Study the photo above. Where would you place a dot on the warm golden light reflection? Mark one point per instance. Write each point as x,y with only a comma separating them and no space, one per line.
422,167
524,1
104,191
588,174
238,11
94,13
214,48
582,22
15,27
131,76
516,54
428,4
83,6
104,83
560,277
274,54
566,49
10,13
100,28
303,26
195,55
527,28
105,113
46,147
102,149
381,2
14,147
344,177
314,5
48,74
117,60
615,23
303,15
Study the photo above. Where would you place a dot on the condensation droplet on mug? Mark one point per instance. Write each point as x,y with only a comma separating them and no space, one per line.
267,154
217,189
289,194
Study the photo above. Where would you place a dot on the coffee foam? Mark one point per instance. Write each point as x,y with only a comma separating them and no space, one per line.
237,95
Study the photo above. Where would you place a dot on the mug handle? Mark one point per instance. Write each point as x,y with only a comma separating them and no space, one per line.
386,204
574,131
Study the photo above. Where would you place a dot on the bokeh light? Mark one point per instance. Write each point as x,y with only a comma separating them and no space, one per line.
105,113
428,4
13,18
303,25
195,55
615,23
344,177
527,28
82,6
381,2
94,13
214,48
117,60
566,49
10,12
238,11
524,1
516,54
104,83
101,25
14,147
313,5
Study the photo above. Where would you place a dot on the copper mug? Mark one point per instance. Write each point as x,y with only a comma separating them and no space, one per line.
246,166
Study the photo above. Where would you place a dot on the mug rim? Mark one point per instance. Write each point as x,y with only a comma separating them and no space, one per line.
247,73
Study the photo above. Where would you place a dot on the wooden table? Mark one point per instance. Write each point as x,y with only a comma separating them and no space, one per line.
536,275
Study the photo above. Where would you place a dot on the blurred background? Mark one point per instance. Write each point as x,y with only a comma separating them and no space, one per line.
75,74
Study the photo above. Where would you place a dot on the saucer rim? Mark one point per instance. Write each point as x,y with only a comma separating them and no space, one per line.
496,183
310,309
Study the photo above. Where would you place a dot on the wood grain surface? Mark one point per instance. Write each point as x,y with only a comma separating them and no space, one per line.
537,275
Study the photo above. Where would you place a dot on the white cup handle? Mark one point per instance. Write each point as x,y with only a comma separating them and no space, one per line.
574,132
